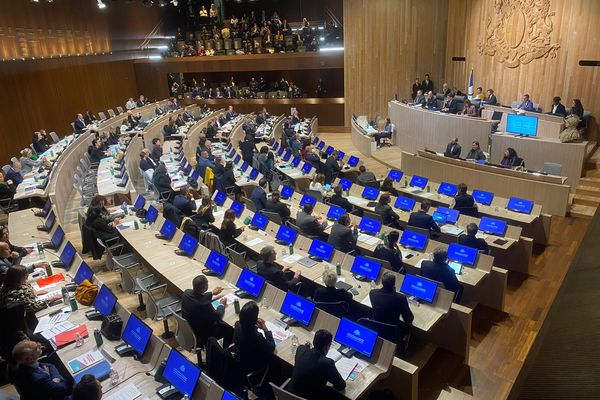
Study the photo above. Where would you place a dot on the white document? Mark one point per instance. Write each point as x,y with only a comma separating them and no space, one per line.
333,353
368,239
452,230
49,295
366,301
279,332
129,392
292,258
254,242
48,322
345,366
58,328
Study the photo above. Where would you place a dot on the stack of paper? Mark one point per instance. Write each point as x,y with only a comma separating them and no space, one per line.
129,392
85,360
48,322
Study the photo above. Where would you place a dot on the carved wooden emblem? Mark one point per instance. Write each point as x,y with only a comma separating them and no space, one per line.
519,32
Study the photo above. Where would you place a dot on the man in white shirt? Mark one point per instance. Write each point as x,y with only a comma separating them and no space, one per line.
130,105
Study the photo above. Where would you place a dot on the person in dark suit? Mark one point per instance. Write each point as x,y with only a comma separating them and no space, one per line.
415,88
79,124
329,293
161,179
421,219
259,195
141,102
99,219
230,114
439,270
388,304
511,158
308,224
557,107
491,98
462,198
339,200
276,206
313,370
451,105
475,153
224,178
35,380
14,173
229,231
197,309
146,162
211,130
170,129
388,215
427,84
453,149
254,349
157,150
281,277
95,152
248,149
342,236
471,239
332,167
389,251
184,202
419,98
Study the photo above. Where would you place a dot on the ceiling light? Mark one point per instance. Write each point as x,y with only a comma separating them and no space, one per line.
101,5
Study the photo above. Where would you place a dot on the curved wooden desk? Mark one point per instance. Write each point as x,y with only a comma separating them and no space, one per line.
549,126
362,140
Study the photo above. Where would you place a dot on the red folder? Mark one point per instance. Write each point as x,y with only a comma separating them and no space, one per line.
68,337
50,280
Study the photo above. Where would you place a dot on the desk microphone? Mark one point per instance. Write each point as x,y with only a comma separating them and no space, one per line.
356,281
53,253
39,238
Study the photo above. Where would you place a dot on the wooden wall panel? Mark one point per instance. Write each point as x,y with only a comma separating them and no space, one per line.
575,30
387,44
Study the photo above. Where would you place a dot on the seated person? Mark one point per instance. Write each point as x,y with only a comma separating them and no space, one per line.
313,370
28,163
491,98
557,107
309,225
80,124
229,231
157,150
329,293
526,104
203,161
365,176
421,219
276,206
204,215
254,349
318,183
170,129
388,129
475,153
259,195
439,271
470,239
14,173
7,188
462,198
332,167
100,221
430,101
451,104
88,388
10,258
469,109
162,181
36,380
17,288
419,98
511,159
388,186
343,235
453,149
339,200
281,277
147,163
388,304
389,251
184,202
197,309
388,215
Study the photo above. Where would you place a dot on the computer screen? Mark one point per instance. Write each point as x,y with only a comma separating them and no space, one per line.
83,272
47,206
187,170
440,217
520,205
447,189
286,234
492,226
151,214
369,225
321,145
482,197
306,167
237,207
451,214
419,287
346,184
366,267
287,156
395,175
286,192
521,124
220,198
280,151
68,254
50,220
181,373
306,199
418,181
244,166
335,212
298,308
57,237
168,229
237,159
216,262
105,301
405,203
356,336
188,244
253,174
329,150
137,334
341,155
315,140
370,193
462,254
320,249
414,240
250,282
139,202
275,144
296,161
259,221
229,396
353,161
195,176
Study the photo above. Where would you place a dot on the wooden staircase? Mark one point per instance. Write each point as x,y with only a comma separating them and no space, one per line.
586,198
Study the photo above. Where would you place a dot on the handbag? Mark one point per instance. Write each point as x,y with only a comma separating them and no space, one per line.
86,293
111,327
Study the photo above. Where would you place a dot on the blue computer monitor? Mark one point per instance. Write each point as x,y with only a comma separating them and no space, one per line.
405,203
395,175
187,170
492,226
259,221
68,254
181,373
105,301
439,217
57,237
275,146
306,168
84,272
482,197
419,287
151,214
280,151
315,140
321,249
253,174
137,334
237,159
244,166
195,175
451,214
353,161
298,307
520,205
366,267
356,336
418,181
140,201
229,396
286,192
414,240
220,198
216,262
335,212
448,189
369,225
370,193
306,199
47,206
346,184
522,124
296,161
49,223
237,207
462,254
321,145
329,150
188,244
287,235
341,155
250,282
168,229
287,156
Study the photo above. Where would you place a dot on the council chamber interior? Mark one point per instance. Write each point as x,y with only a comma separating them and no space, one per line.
299,199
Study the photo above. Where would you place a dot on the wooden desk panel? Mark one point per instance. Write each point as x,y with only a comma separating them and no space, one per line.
549,126
362,141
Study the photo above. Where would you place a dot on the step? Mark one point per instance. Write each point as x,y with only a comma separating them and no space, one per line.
451,393
586,200
588,191
581,211
590,181
592,173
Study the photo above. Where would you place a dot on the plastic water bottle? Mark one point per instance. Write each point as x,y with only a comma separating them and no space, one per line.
159,371
65,296
291,249
114,377
78,340
373,285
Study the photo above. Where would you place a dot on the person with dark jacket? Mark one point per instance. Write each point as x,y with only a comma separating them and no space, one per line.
557,107
388,215
162,181
329,293
170,129
471,239
157,150
225,178
388,186
184,202
342,236
453,149
248,149
388,304
281,277
95,151
332,167
254,349
313,370
100,221
510,158
421,219
229,231
259,195
204,215
462,198
308,224
390,252
276,206
439,271
146,162
197,309
339,200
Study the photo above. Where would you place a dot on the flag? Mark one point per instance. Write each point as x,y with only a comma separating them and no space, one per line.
470,90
